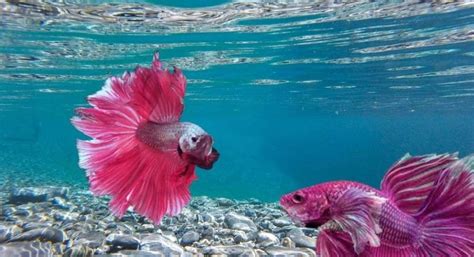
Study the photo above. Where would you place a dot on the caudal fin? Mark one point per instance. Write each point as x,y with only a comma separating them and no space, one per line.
154,183
447,217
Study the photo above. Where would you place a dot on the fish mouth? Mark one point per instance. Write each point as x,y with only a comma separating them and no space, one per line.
209,160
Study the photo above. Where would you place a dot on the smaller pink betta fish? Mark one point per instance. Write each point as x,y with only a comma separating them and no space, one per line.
140,153
425,208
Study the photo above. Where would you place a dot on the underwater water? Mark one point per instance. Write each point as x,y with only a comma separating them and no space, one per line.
294,93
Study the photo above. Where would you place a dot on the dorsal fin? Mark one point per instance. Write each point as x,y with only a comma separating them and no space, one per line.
409,181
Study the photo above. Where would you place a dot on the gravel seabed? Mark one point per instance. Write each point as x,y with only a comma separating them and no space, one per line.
62,221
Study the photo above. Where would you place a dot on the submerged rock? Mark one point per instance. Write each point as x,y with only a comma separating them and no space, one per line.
239,222
33,194
79,251
265,239
137,253
8,232
43,234
60,203
123,241
26,249
224,202
158,243
282,222
35,225
294,252
231,250
189,237
93,239
300,239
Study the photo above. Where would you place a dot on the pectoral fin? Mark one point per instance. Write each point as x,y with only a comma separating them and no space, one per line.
357,212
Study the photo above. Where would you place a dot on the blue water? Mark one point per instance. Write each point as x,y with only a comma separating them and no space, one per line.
292,98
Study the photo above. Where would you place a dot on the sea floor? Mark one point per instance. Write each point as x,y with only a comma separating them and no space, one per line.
66,221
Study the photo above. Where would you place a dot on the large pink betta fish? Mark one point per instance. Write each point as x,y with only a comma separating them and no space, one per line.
140,153
425,208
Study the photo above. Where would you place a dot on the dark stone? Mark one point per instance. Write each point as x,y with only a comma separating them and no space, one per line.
123,241
34,225
43,234
189,237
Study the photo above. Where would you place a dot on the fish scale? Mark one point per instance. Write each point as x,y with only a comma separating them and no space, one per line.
399,228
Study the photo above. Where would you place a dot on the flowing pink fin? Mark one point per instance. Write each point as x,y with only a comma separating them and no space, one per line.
154,183
334,244
158,93
358,212
409,181
447,216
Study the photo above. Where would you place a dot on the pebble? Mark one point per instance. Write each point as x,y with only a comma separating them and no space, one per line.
266,239
43,234
26,249
224,202
34,225
240,236
123,241
281,222
8,232
79,251
300,239
232,250
287,242
60,203
93,239
189,237
239,222
294,252
136,253
161,244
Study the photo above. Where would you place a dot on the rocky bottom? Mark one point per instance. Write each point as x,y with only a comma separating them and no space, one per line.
52,221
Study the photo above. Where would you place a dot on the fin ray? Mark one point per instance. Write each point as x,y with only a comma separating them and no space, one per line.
409,181
358,212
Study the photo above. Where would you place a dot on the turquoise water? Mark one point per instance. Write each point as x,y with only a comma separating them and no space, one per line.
294,93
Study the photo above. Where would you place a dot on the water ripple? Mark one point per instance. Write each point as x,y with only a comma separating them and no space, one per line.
324,55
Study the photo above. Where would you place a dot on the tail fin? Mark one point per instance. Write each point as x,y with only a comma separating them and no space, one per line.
447,216
155,183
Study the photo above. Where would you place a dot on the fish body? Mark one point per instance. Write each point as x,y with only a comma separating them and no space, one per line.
141,154
425,208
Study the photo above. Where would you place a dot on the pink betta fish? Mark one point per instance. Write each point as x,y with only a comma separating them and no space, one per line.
425,208
140,153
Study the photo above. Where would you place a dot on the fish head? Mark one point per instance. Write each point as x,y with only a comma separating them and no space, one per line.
307,206
196,147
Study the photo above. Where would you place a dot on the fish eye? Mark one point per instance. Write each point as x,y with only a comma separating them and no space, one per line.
194,139
297,198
